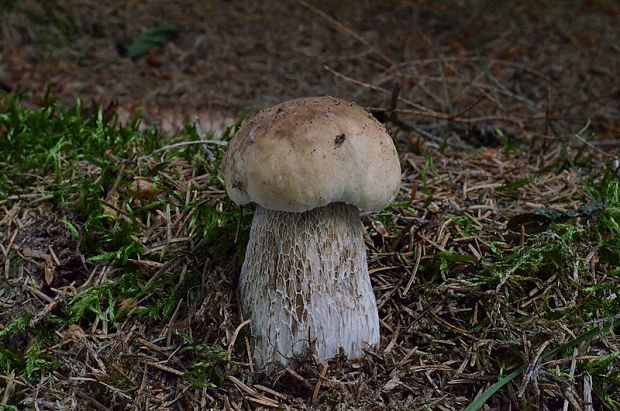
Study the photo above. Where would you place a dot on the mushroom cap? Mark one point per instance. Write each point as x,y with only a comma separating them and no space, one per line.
310,152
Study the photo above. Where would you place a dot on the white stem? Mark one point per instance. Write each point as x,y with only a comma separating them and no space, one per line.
305,285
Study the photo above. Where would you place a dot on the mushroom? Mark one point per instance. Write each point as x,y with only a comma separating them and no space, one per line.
310,165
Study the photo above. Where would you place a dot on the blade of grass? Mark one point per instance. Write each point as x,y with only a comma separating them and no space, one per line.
587,336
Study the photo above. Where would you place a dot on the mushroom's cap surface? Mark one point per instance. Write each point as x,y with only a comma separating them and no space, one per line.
310,152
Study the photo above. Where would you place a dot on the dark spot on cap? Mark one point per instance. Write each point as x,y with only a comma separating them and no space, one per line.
339,139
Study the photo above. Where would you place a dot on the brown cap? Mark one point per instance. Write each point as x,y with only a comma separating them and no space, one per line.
310,152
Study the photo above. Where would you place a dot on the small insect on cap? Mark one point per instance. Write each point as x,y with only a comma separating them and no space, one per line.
310,152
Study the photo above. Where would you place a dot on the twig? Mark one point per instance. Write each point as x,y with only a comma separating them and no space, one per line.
447,101
608,143
165,368
248,350
424,111
377,89
592,146
238,229
242,386
483,86
92,401
547,109
394,101
345,29
531,373
415,269
115,390
317,387
38,293
270,391
167,331
252,394
455,119
183,144
470,107
571,374
232,342
8,389
298,377
587,392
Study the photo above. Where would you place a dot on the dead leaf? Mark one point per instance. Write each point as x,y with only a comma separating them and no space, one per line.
391,384
380,228
48,271
142,188
74,331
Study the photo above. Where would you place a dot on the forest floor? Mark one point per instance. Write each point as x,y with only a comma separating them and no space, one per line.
496,270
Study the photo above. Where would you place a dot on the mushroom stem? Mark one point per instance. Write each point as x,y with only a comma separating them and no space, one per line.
305,285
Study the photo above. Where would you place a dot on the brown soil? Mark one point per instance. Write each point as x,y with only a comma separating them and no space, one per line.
525,61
